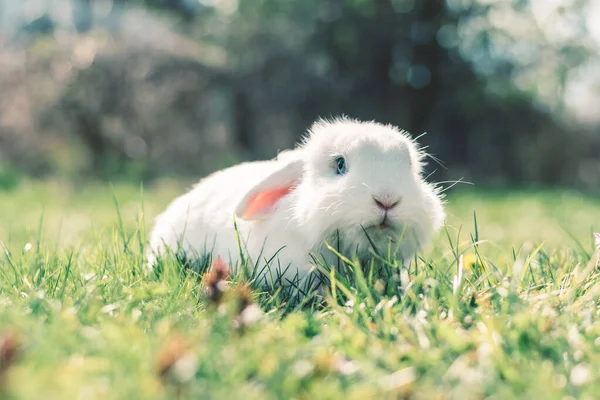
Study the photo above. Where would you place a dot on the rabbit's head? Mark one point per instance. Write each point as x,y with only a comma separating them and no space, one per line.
356,183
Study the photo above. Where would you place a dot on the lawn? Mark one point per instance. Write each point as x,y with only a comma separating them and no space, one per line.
505,305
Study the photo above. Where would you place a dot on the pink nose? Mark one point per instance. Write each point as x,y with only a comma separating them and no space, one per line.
386,204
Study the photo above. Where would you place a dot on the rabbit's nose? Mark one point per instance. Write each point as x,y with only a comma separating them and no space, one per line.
387,204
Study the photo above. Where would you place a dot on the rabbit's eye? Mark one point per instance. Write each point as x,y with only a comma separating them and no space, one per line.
340,164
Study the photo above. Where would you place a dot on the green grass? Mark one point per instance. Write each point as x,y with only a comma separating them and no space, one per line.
523,322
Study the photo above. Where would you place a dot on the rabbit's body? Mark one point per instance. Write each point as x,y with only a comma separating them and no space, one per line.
202,220
350,183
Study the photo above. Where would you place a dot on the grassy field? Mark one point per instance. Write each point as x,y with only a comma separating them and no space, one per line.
517,316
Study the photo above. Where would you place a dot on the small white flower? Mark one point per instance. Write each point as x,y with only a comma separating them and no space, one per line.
398,379
250,315
346,367
484,352
136,314
27,247
88,276
185,368
349,307
392,301
302,368
580,375
109,308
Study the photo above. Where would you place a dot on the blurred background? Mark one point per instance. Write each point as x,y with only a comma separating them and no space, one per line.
508,91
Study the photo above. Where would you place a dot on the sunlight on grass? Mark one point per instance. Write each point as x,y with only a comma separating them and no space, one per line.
506,309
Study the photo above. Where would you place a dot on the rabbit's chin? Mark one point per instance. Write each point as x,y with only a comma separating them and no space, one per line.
401,242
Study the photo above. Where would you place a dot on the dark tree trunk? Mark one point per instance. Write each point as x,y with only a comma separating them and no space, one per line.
116,12
83,16
382,49
243,121
426,53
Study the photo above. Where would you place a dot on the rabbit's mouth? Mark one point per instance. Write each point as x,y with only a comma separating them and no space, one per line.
394,235
384,226
386,223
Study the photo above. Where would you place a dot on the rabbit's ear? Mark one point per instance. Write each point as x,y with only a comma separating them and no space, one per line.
261,199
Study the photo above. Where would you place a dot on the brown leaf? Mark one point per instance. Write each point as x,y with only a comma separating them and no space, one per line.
173,350
10,347
216,280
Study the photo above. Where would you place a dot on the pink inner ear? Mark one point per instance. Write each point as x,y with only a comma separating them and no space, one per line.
263,201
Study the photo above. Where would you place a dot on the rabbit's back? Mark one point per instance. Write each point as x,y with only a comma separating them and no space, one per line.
202,219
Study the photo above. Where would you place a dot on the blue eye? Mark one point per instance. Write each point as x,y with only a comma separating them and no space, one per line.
340,163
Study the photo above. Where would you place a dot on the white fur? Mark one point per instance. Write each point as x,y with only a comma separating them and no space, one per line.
382,161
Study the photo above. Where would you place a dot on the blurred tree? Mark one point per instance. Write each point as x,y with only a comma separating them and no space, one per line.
116,13
43,25
195,79
83,16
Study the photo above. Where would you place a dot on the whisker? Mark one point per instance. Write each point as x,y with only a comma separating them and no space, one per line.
339,204
437,160
367,186
454,183
429,176
334,204
420,136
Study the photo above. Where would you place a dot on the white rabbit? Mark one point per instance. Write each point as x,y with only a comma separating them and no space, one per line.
346,180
